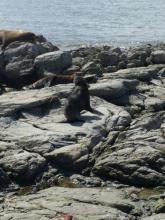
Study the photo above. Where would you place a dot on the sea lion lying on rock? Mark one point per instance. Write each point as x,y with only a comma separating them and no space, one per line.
9,36
51,80
78,100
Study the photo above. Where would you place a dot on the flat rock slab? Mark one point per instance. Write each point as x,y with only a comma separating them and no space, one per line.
15,101
140,73
81,203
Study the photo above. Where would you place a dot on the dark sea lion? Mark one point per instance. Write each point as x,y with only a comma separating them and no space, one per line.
51,80
78,100
9,36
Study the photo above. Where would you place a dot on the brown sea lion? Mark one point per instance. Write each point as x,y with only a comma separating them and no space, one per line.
9,36
51,80
78,100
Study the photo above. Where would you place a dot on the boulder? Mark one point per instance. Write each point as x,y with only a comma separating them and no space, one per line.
22,165
108,58
19,73
55,62
158,57
19,58
110,69
112,89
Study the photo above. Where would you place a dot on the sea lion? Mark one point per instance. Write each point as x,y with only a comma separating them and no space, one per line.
51,80
78,100
9,36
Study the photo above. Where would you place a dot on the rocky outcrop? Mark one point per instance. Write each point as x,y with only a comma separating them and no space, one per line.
120,145
18,58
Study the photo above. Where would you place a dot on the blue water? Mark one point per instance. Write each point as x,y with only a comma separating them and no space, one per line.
76,22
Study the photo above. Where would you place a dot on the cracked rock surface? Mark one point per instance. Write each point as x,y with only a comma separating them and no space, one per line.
112,165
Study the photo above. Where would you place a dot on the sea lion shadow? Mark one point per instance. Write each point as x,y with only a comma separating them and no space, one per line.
90,118
84,119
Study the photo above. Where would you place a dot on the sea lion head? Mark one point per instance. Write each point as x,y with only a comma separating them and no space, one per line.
80,81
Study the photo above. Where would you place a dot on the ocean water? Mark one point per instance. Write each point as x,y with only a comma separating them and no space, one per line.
79,22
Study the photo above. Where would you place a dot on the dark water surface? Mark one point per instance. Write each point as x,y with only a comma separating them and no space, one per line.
76,22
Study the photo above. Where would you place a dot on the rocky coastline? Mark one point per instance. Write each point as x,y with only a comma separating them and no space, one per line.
112,166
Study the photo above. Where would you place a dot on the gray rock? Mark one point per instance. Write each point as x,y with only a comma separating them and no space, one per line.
135,63
78,61
19,58
22,165
4,179
112,89
122,65
108,59
72,157
155,217
158,57
137,156
55,62
159,206
92,68
140,73
20,73
110,69
80,203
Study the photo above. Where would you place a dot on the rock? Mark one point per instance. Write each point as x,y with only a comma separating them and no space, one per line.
22,165
78,61
72,157
26,100
80,180
92,68
19,58
158,57
131,65
140,73
162,73
122,65
117,50
81,203
112,89
19,74
135,158
1,66
159,206
18,50
55,62
4,179
118,149
155,217
108,59
123,56
110,69
154,104
138,55
35,129
135,63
